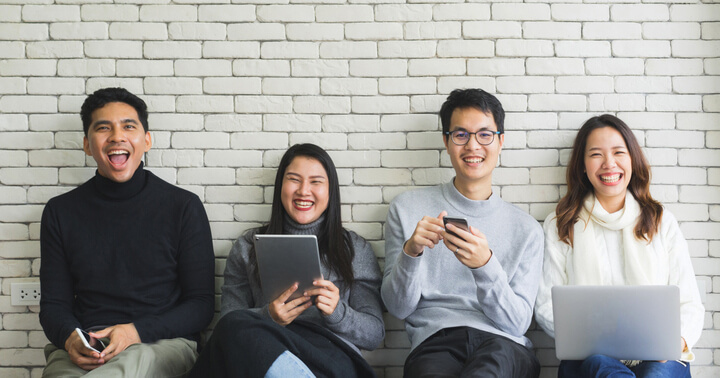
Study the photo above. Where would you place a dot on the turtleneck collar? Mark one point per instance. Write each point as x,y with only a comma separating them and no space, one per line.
295,228
466,206
121,190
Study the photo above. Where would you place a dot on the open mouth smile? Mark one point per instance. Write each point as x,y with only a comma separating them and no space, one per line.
118,157
612,178
303,205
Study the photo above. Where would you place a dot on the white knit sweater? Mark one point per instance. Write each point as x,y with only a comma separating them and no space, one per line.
668,244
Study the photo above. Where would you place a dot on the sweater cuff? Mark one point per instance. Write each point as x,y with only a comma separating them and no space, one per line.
407,263
336,315
490,272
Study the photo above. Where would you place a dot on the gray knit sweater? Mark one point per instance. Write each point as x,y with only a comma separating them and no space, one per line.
357,319
435,291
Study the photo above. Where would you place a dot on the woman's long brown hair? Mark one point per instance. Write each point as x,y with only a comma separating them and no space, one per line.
578,184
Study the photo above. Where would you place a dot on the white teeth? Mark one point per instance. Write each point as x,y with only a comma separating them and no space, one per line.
304,203
473,160
116,152
612,178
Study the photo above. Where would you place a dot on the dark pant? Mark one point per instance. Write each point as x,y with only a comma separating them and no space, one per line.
468,352
244,344
600,366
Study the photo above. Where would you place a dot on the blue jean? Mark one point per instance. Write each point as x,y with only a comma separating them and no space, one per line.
601,366
288,365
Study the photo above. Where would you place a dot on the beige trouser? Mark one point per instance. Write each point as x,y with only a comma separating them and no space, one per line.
164,358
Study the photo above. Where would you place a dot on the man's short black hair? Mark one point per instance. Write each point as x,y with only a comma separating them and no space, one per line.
472,98
104,96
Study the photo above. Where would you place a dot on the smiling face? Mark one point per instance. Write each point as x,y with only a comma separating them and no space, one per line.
473,162
305,190
608,167
117,141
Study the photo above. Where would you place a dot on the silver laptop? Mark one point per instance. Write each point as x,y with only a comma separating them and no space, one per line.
623,322
285,259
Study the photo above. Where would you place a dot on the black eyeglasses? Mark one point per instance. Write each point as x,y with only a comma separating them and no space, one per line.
462,137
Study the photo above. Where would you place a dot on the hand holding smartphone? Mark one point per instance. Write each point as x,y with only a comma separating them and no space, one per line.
89,341
457,222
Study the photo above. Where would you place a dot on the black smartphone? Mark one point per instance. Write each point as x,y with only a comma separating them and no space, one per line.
457,222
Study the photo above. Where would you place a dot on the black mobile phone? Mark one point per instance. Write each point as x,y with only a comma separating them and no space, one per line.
457,222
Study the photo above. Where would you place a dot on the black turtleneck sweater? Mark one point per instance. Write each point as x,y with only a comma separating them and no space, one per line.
134,252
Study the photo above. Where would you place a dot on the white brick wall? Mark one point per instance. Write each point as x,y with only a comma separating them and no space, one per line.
232,83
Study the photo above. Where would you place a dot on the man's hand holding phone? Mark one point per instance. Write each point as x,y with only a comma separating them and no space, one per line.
469,245
428,233
83,350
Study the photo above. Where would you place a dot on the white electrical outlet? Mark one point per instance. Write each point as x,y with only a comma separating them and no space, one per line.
25,293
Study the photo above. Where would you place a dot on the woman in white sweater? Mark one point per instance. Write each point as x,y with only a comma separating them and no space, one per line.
608,230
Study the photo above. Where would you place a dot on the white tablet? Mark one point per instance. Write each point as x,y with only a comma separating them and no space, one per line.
285,259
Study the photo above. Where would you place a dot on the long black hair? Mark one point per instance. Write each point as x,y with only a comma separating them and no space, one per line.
336,248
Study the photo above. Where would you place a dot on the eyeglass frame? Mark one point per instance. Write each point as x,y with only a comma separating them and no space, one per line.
449,134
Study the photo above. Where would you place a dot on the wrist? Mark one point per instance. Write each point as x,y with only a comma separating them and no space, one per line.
405,251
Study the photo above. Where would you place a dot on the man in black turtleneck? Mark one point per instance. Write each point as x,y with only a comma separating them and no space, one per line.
125,256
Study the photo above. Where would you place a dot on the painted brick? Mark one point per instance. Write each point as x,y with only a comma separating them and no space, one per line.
551,30
79,30
530,193
206,176
55,86
233,158
23,32
55,49
461,12
525,84
105,12
674,67
28,67
465,49
203,67
328,141
144,68
168,13
353,159
447,84
580,12
380,104
175,158
344,13
202,140
556,102
710,30
292,122
285,13
616,102
678,176
135,31
196,31
289,50
639,12
234,194
643,84
348,86
583,49
645,49
551,139
670,30
114,49
259,140
205,104
233,122
496,66
319,68
374,31
492,29
28,104
134,85
434,30
315,32
322,104
12,49
256,32
253,67
226,13
10,13
436,67
694,12
172,85
348,50
406,49
263,104
228,49
425,140
692,49
175,122
12,85
513,47
376,141
703,158
584,84
291,86
648,120
612,30
547,175
520,11
403,12
696,84
399,86
661,102
403,159
233,85
530,121
378,67
13,122
14,158
614,66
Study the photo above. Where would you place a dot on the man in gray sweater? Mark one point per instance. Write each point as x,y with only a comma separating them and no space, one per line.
467,300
